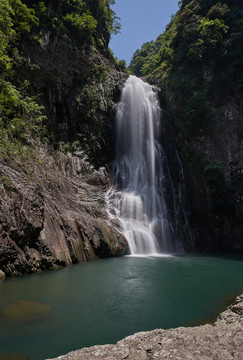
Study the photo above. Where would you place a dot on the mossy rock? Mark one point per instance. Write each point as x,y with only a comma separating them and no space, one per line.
23,311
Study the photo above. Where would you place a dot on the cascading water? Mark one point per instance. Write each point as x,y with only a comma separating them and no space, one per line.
137,195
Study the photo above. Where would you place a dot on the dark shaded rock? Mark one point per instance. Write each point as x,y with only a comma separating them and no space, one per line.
79,88
225,143
208,211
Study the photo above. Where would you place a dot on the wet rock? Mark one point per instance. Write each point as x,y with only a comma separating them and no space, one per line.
55,218
98,177
222,340
23,311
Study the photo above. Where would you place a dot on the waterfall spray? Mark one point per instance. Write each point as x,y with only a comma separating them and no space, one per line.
136,198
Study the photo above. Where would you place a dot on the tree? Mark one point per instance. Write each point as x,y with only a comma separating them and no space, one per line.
6,33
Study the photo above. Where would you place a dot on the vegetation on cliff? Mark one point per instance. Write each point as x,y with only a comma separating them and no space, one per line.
59,83
199,57
198,64
58,86
24,27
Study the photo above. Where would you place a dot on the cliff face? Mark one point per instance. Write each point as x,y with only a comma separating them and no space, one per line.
52,201
206,172
54,215
79,89
62,52
225,144
197,63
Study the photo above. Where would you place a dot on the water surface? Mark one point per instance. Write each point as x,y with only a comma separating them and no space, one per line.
104,301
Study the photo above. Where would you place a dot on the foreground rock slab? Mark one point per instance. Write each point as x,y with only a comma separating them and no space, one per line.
221,341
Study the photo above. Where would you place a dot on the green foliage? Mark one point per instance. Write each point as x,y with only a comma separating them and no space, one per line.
86,24
140,60
24,17
19,113
90,22
107,17
21,119
198,61
99,72
6,33
91,99
213,30
83,26
122,65
155,53
218,11
17,20
57,26
199,58
40,9
74,5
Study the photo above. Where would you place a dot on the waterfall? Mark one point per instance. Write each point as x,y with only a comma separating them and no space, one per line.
136,197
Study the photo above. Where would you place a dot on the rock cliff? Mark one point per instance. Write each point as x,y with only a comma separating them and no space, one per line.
79,89
224,144
206,173
54,215
221,340
197,64
52,200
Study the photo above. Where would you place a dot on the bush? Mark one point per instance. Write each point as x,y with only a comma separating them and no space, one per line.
83,26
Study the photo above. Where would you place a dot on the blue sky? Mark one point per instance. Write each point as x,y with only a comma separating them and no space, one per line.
142,21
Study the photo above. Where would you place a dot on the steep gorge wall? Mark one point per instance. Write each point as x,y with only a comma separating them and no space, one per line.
207,177
55,215
52,200
225,144
197,64
79,89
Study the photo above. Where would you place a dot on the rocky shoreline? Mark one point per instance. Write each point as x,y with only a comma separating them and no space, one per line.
54,215
221,340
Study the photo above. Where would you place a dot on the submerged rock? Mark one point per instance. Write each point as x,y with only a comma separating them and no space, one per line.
23,311
13,357
220,341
